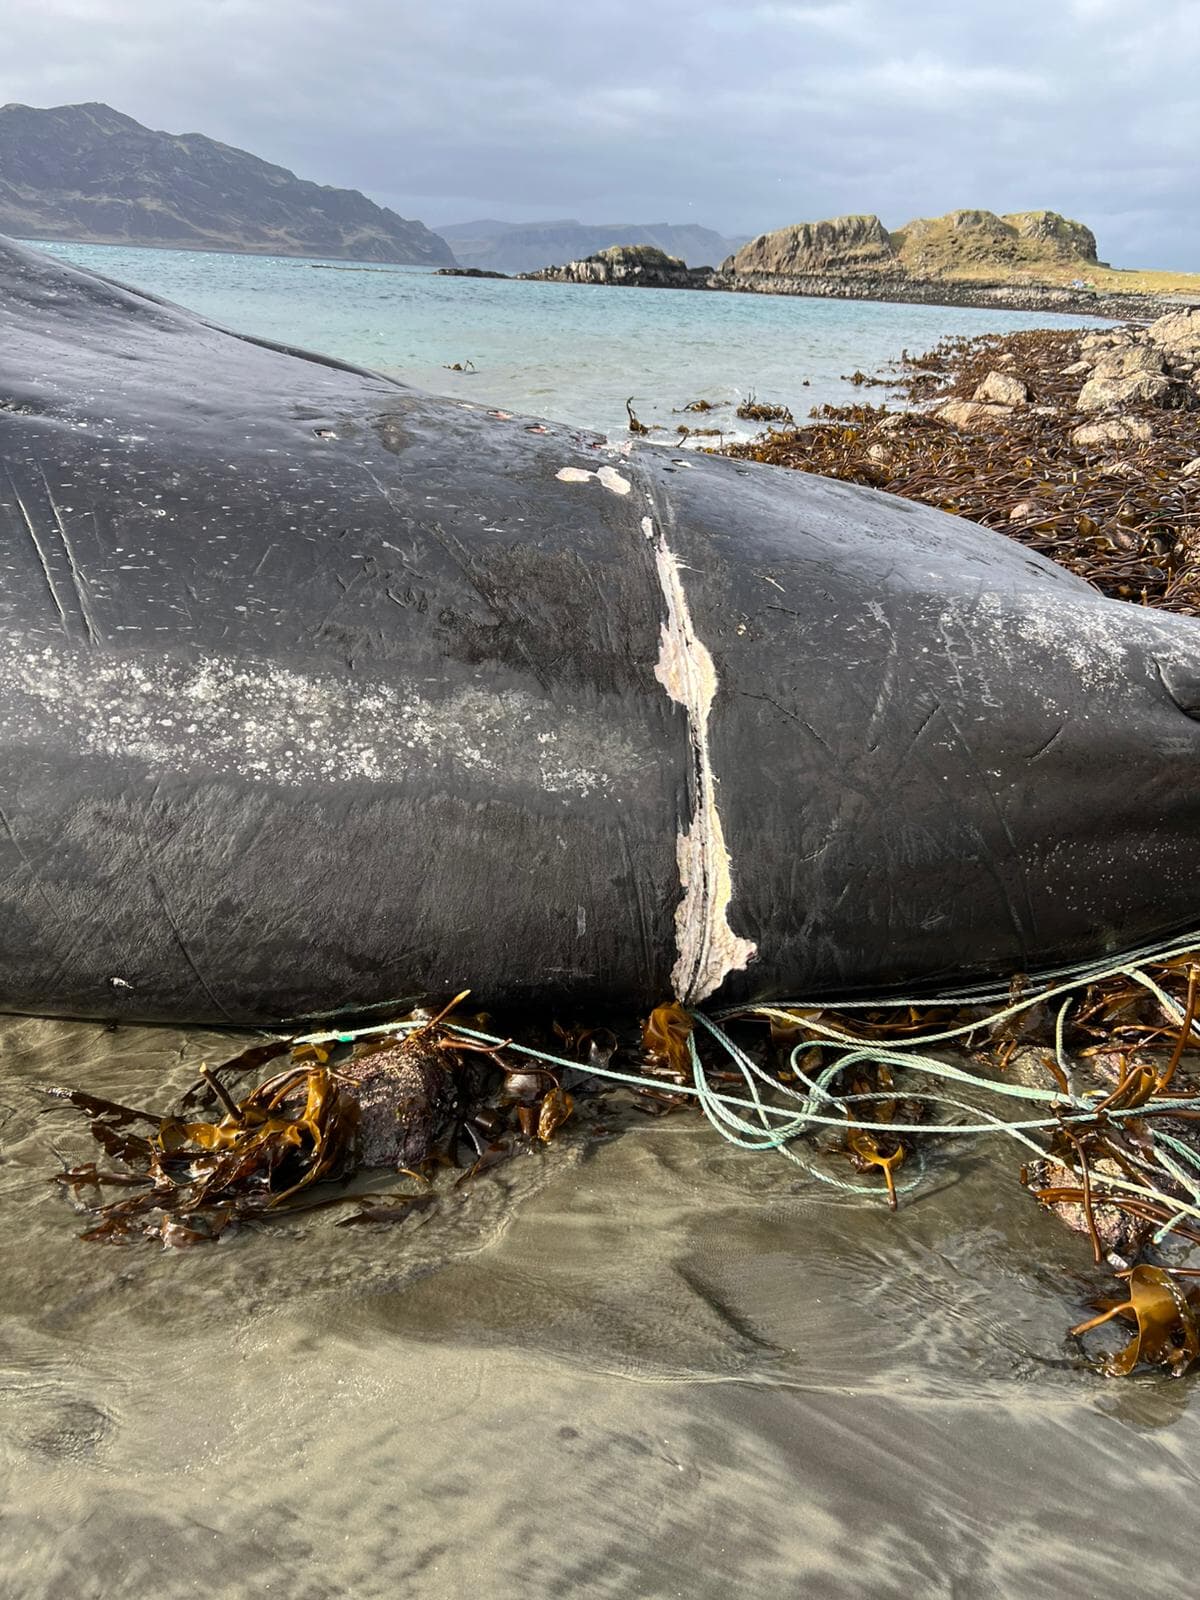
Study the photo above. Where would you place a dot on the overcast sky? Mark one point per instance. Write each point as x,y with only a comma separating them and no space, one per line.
741,116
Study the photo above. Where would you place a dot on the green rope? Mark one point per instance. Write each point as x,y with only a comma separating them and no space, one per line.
750,1121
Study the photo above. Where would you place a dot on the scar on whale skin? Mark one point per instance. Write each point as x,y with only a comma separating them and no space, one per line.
608,476
708,949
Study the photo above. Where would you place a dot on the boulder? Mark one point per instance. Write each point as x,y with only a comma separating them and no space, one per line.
1077,369
972,414
1093,344
1002,389
1192,470
1141,388
1118,430
1178,334
1126,360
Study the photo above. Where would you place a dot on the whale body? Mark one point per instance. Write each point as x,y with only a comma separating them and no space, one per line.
318,692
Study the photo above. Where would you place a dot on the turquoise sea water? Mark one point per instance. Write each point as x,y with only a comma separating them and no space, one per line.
566,351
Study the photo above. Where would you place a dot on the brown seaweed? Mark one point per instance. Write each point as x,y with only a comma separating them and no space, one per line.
401,1099
1121,515
754,410
1164,1320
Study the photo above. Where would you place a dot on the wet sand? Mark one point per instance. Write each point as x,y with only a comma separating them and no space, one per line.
648,1365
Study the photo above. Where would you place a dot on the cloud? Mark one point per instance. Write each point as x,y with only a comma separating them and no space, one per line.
925,83
745,116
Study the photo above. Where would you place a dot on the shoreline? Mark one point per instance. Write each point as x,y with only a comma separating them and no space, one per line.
984,296
1084,446
191,248
883,288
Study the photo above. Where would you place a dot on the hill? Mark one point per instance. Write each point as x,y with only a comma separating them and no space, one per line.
528,246
90,173
961,244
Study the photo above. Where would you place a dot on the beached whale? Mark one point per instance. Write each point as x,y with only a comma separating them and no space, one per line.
317,692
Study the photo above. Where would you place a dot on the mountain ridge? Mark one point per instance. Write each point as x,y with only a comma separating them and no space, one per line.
514,247
90,173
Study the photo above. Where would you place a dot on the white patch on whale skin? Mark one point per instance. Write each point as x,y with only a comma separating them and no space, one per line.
612,479
264,723
708,949
609,477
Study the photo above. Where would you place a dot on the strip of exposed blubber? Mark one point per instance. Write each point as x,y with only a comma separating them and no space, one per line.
708,949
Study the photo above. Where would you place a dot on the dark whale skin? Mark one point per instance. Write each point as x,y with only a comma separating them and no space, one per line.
318,693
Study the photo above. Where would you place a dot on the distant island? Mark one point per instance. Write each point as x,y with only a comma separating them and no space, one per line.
92,174
520,247
1028,260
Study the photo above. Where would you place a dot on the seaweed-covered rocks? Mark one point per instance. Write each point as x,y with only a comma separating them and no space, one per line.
1112,491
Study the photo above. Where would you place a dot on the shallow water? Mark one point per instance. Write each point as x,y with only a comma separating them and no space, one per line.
642,1365
571,352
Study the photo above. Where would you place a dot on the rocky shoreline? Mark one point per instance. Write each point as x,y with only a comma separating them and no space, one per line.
642,267
1082,445
988,296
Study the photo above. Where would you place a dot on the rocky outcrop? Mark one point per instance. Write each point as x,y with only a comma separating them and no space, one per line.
852,244
90,173
966,258
929,247
963,241
1056,236
1155,366
639,265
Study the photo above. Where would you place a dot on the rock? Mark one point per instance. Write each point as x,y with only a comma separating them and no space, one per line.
1121,1236
1178,333
406,1094
641,264
1127,360
1114,469
1092,344
879,453
971,414
1025,511
1060,238
1142,388
1024,240
1192,470
1000,388
840,244
1120,430
1077,369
